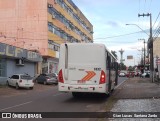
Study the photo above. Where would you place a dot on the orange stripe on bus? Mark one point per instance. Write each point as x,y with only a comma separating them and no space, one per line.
90,74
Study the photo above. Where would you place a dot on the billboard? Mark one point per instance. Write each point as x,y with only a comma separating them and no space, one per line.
129,57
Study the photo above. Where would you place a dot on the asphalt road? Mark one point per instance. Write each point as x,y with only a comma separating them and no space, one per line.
48,99
121,80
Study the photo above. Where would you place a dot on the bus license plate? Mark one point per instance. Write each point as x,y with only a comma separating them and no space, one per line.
81,81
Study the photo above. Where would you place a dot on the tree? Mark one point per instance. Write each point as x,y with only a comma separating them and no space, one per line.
114,53
121,66
131,68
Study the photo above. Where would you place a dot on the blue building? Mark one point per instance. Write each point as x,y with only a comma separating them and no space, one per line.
14,60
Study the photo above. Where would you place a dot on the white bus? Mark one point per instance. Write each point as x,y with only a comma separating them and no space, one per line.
86,67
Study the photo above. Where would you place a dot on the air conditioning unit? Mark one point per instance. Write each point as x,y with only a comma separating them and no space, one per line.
19,62
50,5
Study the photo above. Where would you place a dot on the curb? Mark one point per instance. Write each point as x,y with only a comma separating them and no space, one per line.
121,83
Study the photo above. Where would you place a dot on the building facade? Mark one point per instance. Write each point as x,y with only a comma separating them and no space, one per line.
156,47
156,50
14,60
42,25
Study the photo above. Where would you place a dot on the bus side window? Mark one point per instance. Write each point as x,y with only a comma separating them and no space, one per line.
116,65
106,63
113,65
109,62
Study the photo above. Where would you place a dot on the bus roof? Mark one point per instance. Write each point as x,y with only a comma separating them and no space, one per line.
93,44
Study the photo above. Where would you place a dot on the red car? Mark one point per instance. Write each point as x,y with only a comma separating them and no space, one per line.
130,74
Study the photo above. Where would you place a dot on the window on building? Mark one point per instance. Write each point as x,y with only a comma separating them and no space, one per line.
57,15
53,46
50,26
57,32
72,14
49,10
64,36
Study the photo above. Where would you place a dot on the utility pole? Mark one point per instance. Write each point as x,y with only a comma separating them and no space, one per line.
150,45
144,62
144,55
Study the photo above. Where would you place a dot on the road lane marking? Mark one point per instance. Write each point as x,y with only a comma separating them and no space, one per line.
15,106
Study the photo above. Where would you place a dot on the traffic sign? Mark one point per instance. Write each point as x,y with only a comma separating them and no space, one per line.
158,61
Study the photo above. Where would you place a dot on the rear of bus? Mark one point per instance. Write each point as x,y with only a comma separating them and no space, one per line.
82,68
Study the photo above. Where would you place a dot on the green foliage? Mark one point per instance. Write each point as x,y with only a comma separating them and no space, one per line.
114,53
121,66
131,68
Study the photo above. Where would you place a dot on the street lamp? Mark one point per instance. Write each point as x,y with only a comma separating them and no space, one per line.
139,28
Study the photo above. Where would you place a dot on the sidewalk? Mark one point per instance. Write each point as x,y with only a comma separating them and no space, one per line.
135,95
137,88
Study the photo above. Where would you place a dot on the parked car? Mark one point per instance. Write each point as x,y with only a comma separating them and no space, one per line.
20,80
121,74
47,78
138,73
145,75
130,74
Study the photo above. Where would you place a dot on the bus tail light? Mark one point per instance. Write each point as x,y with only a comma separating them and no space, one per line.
102,78
60,76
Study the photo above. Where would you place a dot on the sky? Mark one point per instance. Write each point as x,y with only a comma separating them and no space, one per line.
109,19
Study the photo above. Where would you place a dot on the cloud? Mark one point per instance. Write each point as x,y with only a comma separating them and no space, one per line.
127,47
112,23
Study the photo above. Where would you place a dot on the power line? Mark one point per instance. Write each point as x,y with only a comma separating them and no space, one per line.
157,32
157,29
156,20
118,35
113,42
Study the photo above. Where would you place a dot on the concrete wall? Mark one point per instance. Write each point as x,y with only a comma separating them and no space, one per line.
156,47
24,23
12,68
3,80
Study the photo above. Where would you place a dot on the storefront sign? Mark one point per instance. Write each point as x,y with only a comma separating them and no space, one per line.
34,56
12,51
158,61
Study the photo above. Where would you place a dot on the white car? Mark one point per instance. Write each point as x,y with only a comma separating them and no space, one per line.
145,74
20,80
121,74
